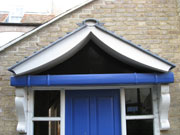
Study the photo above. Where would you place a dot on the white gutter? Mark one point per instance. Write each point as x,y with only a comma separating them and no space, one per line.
44,25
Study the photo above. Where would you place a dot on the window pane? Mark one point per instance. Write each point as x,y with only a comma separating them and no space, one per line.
139,127
46,128
47,103
138,101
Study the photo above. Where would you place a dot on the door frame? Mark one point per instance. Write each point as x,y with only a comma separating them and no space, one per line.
123,117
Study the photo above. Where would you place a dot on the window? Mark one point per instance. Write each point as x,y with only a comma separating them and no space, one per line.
15,15
46,104
139,111
138,101
47,117
139,114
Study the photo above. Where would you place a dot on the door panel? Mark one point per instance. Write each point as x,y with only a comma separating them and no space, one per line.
80,113
92,112
104,115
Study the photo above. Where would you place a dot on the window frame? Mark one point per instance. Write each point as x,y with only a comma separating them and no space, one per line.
124,117
154,116
31,118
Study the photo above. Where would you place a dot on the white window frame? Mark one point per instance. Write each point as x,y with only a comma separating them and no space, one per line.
31,118
124,117
154,116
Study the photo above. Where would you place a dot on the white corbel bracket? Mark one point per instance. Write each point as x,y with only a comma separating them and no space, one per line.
164,103
21,107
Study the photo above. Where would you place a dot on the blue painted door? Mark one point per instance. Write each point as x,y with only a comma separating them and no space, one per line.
95,112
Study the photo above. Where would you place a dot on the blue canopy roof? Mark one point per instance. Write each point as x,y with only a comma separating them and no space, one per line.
92,79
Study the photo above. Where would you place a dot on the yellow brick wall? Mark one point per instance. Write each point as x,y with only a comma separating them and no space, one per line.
152,23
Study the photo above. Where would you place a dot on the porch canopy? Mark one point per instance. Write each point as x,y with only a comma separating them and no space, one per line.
26,72
92,79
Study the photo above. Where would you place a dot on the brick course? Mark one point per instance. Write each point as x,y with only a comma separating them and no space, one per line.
154,24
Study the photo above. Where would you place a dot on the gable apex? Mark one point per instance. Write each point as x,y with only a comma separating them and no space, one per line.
91,29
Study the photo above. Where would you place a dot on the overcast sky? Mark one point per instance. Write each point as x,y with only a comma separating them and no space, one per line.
37,5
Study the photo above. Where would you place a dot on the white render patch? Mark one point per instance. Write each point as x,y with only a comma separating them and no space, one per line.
8,36
67,47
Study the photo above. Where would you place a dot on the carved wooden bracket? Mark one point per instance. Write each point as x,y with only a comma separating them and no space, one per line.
21,107
164,103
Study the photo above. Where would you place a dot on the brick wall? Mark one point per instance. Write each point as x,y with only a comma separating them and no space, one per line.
152,23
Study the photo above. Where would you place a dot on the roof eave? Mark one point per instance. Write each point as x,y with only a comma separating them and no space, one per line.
102,35
136,46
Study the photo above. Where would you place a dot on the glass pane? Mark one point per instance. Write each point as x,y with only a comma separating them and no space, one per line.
46,128
47,103
139,127
138,101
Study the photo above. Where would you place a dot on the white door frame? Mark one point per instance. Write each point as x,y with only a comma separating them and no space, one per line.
30,106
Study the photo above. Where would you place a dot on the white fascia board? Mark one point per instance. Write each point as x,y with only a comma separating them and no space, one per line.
130,53
55,54
67,47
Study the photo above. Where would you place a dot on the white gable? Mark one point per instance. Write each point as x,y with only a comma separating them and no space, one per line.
66,47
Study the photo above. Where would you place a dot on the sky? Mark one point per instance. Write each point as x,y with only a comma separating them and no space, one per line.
37,5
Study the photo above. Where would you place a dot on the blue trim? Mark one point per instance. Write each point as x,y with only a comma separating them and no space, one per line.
92,79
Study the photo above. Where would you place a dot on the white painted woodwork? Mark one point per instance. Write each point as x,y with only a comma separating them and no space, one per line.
31,119
46,119
99,87
30,127
139,117
21,109
55,54
164,103
126,52
62,112
156,128
67,47
123,112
